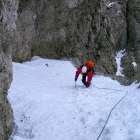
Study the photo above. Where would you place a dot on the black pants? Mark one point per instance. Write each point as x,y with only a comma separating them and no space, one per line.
86,83
84,79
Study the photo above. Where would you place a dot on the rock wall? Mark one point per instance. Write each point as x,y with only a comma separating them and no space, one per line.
81,29
131,62
7,27
25,30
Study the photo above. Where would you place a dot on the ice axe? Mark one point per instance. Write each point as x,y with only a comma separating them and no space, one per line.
75,84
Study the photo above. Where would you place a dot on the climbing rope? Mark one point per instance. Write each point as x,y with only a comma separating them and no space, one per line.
106,122
107,88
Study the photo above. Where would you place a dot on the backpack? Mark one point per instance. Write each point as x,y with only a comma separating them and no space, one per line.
90,64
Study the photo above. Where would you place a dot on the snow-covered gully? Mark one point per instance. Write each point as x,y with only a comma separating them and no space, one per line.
48,106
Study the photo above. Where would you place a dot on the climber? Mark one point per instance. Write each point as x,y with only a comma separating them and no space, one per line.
87,71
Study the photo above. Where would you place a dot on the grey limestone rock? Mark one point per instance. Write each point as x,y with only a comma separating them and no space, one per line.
7,27
97,29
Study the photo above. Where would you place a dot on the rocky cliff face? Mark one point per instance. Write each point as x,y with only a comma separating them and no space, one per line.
131,61
7,26
25,30
82,29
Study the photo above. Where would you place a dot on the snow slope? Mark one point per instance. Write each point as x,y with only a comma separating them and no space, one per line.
48,106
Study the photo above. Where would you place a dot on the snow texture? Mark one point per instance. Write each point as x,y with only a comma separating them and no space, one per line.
118,58
48,106
109,5
134,64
